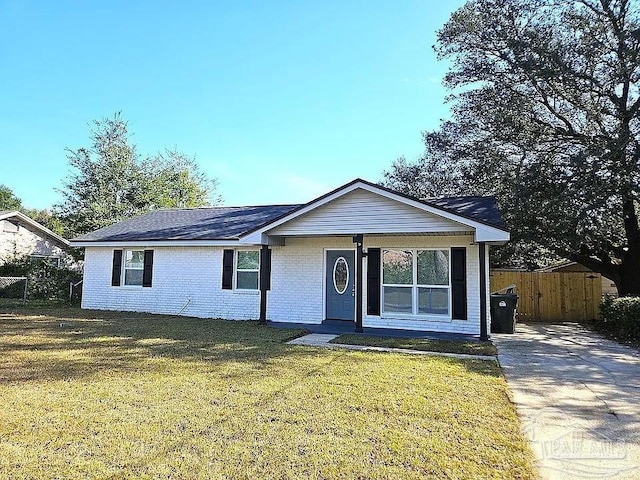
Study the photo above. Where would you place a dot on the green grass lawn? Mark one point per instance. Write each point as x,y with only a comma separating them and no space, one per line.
118,395
447,346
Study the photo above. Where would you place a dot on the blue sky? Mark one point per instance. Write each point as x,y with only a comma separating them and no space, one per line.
281,101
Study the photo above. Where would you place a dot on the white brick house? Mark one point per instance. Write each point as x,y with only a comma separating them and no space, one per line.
361,254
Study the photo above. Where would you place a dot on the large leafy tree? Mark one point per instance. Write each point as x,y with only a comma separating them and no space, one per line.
546,116
111,181
8,200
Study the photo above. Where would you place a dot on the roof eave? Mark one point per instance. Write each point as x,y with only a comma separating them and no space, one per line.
156,243
63,242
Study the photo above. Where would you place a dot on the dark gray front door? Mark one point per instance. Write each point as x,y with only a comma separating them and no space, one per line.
339,287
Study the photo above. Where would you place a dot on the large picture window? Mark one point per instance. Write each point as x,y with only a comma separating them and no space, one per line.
247,269
416,282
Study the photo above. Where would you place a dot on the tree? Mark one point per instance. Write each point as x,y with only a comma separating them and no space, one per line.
47,218
110,181
8,200
546,116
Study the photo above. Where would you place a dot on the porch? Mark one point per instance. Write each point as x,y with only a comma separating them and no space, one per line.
338,327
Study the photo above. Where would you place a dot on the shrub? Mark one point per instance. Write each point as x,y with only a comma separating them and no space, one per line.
620,318
45,281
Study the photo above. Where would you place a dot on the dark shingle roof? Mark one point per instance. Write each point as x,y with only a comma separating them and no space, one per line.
229,223
215,223
483,209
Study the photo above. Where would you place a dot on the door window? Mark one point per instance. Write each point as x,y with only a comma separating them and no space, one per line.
340,275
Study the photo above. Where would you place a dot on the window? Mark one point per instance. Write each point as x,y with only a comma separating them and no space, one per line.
247,269
48,259
416,282
433,282
341,275
9,227
133,267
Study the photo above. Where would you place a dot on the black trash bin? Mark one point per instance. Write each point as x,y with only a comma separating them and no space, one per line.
503,312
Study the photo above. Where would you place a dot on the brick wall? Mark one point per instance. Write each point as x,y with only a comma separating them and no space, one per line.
298,281
184,278
189,279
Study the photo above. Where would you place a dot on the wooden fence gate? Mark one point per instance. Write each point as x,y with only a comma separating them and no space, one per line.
553,296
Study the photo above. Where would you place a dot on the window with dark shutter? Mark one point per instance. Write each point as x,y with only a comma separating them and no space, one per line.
227,270
116,268
459,283
373,281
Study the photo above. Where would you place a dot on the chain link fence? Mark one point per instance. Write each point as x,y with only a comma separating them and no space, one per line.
23,280
14,288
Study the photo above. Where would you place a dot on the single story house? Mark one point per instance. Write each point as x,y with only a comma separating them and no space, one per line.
361,253
22,236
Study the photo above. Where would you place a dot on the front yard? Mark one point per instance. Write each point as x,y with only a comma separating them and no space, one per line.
118,395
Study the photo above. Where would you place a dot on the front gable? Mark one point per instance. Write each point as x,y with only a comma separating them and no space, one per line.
363,211
361,207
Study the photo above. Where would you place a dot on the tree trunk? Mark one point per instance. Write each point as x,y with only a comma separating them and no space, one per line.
630,267
628,281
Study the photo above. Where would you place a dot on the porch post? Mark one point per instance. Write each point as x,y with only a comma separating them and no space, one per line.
482,257
358,239
263,281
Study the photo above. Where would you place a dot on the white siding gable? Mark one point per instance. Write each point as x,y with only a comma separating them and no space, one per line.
361,211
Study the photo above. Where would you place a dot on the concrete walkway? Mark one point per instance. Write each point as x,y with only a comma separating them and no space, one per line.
323,339
578,396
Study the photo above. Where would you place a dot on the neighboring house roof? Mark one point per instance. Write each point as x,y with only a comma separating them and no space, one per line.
213,223
245,223
20,218
565,265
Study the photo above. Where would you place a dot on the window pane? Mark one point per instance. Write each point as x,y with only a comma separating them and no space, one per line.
433,300
249,260
397,267
398,299
433,267
133,277
134,259
340,275
247,281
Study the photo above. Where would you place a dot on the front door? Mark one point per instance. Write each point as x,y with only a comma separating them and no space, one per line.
340,285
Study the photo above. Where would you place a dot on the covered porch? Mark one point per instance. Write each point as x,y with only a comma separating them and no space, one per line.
380,260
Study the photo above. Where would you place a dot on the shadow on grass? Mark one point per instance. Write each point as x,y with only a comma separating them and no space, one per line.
71,343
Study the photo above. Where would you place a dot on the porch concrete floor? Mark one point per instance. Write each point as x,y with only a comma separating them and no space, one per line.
335,327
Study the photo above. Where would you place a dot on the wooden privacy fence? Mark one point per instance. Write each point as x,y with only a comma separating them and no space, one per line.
553,296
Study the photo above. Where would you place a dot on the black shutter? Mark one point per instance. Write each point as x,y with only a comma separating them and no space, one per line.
459,283
265,269
116,270
227,270
147,273
373,281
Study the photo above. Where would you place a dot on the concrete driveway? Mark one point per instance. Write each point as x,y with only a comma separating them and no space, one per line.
578,396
